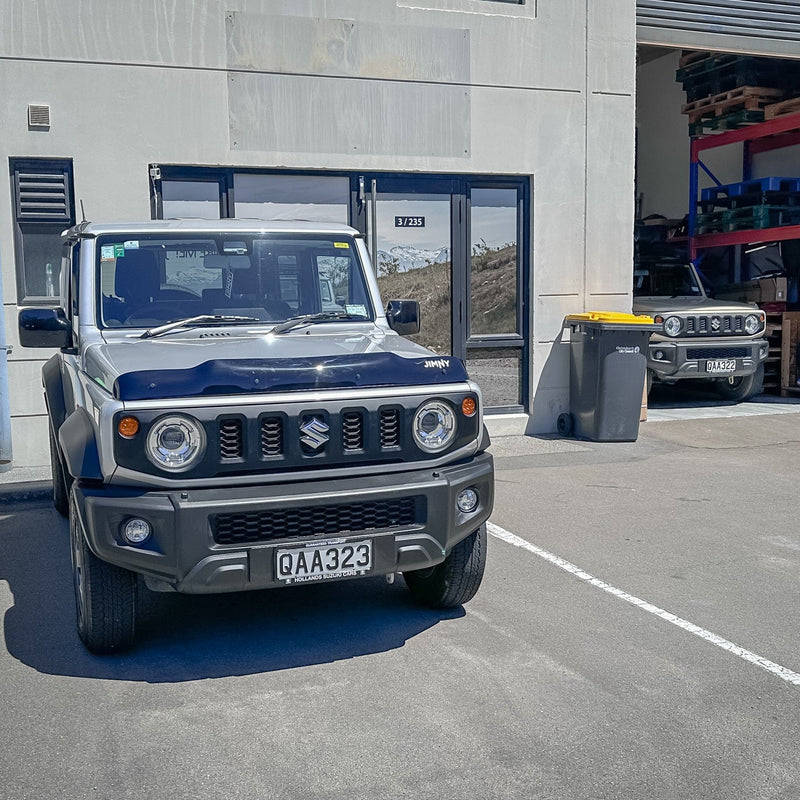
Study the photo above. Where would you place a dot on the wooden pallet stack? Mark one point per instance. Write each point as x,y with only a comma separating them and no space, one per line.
755,204
726,91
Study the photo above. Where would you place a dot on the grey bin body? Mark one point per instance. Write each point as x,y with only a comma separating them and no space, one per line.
608,366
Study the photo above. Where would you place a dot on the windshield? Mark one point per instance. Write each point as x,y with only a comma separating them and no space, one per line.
665,280
148,280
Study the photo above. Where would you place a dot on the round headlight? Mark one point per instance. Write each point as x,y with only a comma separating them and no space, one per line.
434,425
175,443
751,324
672,326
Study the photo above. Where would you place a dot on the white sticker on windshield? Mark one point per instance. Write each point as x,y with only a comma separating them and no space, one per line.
132,245
356,311
107,252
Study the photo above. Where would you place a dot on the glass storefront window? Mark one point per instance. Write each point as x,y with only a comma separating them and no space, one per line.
190,199
310,197
413,259
494,262
499,374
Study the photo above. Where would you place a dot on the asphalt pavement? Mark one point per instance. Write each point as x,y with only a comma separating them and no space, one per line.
636,636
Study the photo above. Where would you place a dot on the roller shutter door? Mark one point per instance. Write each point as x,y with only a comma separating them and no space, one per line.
747,26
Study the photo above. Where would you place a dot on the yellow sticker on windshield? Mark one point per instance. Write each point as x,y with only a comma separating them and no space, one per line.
342,245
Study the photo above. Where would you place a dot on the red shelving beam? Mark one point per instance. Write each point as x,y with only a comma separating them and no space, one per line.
759,138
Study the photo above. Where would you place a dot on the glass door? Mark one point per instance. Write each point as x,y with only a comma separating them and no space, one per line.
454,246
411,243
495,335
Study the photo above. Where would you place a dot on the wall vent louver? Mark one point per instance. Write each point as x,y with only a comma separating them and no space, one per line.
38,116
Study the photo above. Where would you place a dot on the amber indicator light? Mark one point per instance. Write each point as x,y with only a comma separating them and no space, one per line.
468,407
128,427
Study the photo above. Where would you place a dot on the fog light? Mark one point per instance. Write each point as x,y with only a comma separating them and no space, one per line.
467,500
659,355
136,530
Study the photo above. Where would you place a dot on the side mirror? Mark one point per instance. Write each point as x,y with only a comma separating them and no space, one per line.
44,327
403,316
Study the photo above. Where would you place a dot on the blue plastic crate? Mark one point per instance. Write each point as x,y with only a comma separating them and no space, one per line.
771,184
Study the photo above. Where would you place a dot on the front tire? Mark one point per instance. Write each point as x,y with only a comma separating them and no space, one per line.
105,596
456,580
742,387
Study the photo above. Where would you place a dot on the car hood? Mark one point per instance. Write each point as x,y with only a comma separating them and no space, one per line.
214,361
686,305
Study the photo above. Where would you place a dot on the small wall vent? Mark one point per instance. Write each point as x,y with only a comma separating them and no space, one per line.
38,116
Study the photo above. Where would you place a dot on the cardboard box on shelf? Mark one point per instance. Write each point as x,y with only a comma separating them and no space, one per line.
762,290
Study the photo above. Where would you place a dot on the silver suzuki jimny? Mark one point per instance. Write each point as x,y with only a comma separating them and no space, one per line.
231,408
713,340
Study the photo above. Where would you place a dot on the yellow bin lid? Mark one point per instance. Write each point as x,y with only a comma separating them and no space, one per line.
611,316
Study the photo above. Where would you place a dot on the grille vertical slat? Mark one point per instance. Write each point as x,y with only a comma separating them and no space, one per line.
390,427
231,445
352,431
271,437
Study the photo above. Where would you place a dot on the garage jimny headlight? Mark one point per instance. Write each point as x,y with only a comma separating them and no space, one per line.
672,326
175,443
752,324
434,425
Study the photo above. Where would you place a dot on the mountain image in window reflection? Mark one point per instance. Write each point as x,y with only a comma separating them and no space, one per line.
403,258
493,285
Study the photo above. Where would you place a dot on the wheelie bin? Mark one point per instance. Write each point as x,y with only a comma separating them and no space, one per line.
607,370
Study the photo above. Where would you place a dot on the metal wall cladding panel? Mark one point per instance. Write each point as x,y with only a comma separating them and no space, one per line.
298,114
137,31
315,46
775,20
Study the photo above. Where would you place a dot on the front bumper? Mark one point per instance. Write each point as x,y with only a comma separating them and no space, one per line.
183,554
673,360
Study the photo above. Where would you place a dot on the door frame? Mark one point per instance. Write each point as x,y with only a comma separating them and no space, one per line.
459,188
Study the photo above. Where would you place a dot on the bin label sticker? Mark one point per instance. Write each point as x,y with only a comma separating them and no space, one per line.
627,349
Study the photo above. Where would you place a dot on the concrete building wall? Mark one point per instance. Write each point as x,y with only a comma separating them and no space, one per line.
544,89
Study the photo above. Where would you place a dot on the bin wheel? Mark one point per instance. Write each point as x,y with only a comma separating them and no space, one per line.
564,424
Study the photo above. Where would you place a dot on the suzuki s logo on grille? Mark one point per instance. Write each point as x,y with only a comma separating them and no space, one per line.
716,323
314,432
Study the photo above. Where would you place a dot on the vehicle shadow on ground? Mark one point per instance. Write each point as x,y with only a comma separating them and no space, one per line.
184,638
695,394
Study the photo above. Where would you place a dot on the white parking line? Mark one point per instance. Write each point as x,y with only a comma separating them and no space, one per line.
770,666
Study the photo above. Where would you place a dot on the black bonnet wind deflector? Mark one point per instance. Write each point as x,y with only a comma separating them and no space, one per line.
258,375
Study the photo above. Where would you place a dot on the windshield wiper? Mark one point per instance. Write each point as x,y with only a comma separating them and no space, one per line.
308,319
200,319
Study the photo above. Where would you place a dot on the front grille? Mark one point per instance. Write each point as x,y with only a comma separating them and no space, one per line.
271,437
267,438
716,352
230,439
715,324
390,427
352,431
290,523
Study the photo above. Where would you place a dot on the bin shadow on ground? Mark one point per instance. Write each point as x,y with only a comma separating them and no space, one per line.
184,638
